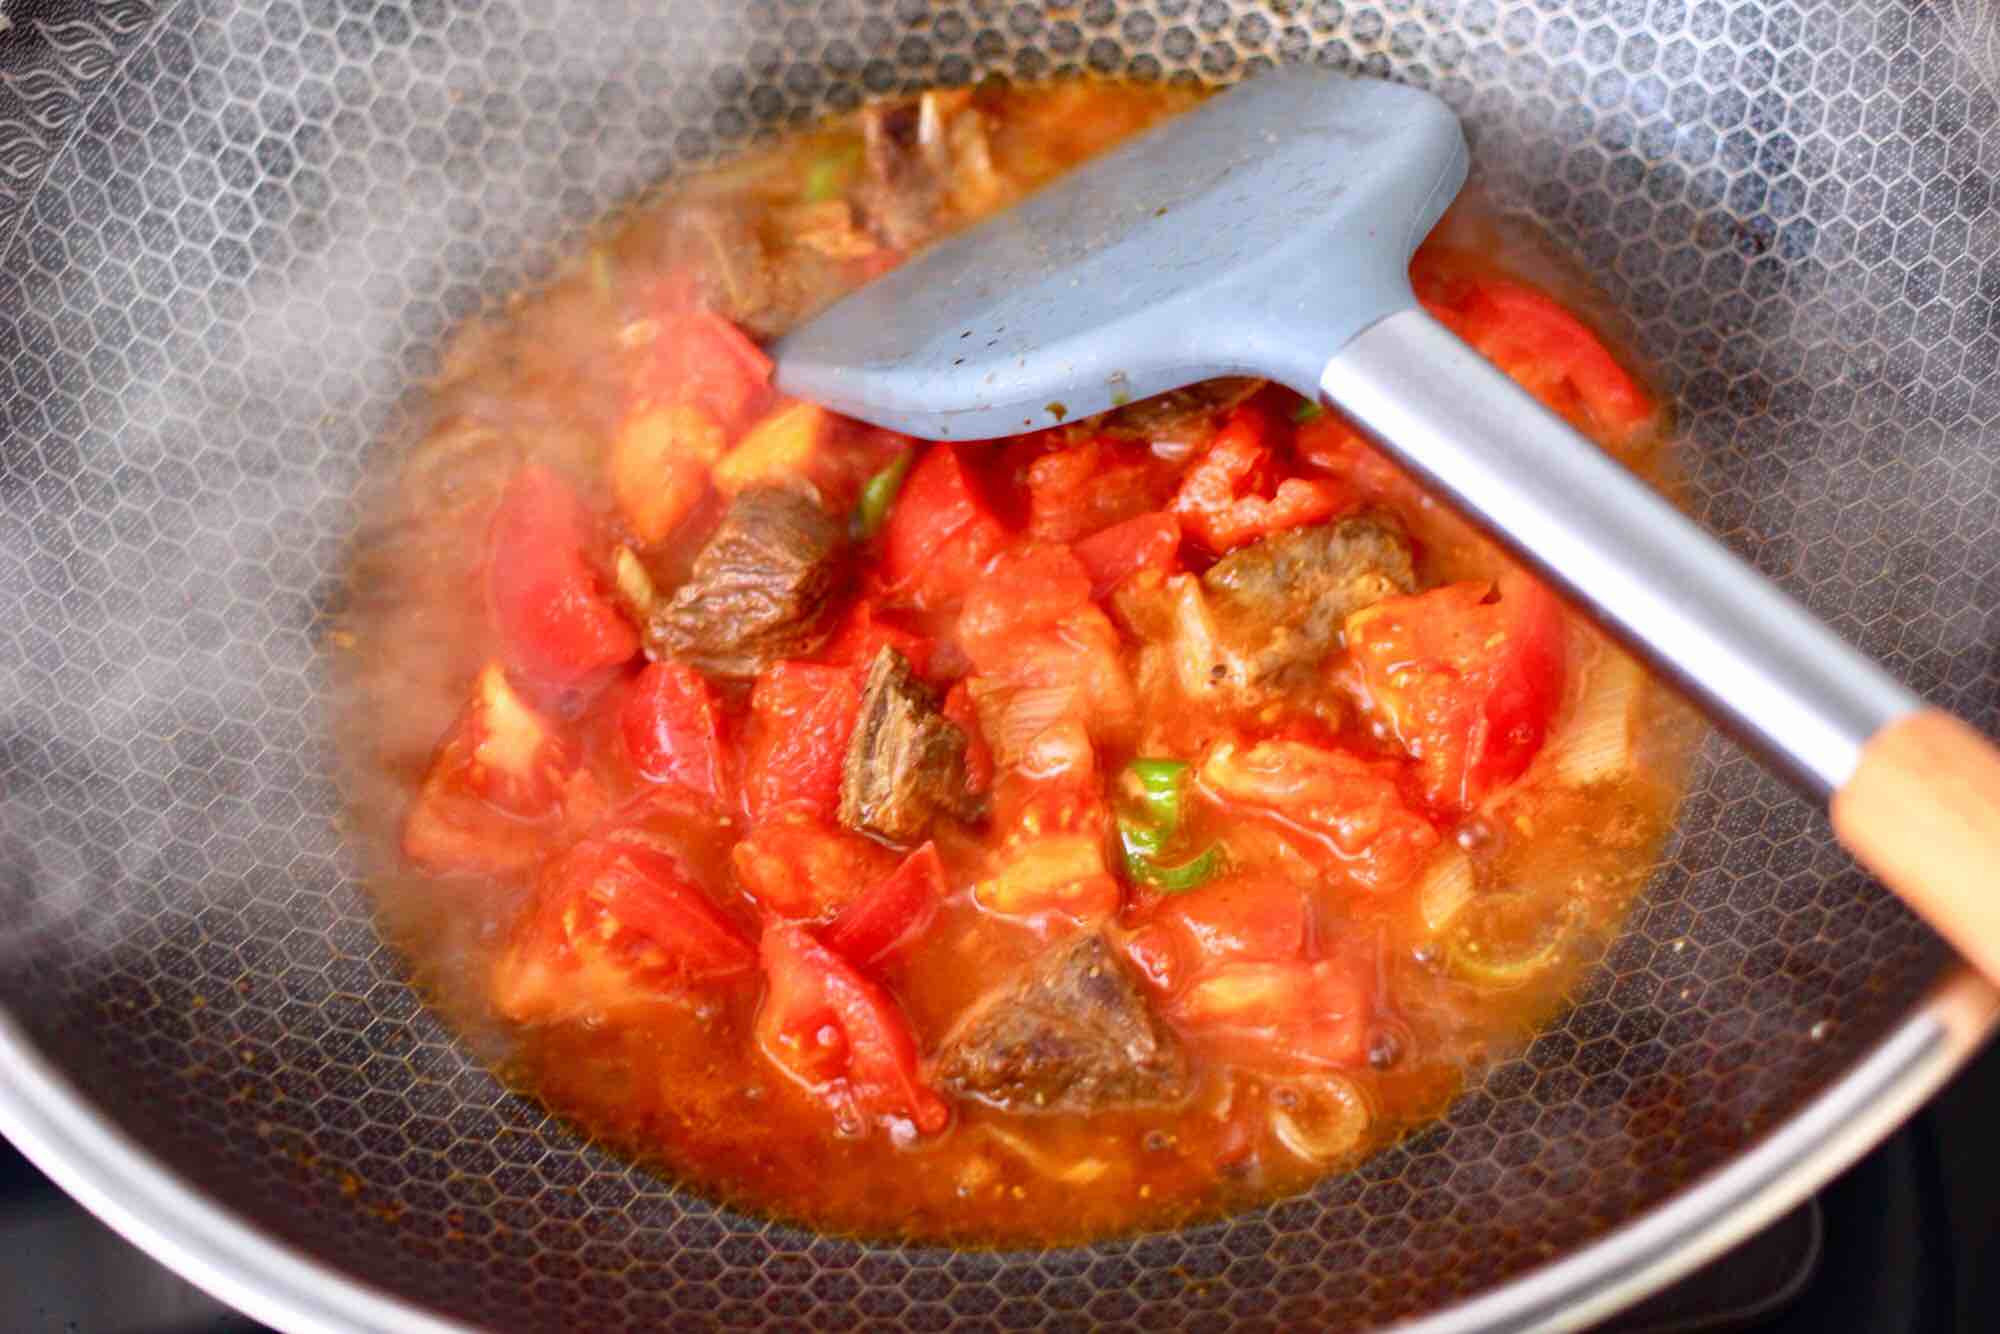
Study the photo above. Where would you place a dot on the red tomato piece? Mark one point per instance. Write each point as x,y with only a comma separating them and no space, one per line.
1155,950
1526,333
1468,681
1149,542
940,534
647,891
865,633
1232,494
1026,592
1355,805
799,866
893,912
1056,822
1087,487
802,716
556,622
501,764
1331,443
841,1037
699,358
1237,920
1316,1013
672,727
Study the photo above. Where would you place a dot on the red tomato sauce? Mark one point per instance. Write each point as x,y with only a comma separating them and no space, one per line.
1006,843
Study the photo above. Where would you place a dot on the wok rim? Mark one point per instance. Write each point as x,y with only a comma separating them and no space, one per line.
59,1130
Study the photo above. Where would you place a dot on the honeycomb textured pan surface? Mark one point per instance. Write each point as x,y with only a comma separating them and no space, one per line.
231,239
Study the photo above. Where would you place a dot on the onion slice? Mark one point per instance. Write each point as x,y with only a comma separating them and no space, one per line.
1597,747
1447,886
1326,1120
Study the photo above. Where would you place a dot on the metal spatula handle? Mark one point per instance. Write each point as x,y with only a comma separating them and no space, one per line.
1915,794
1761,664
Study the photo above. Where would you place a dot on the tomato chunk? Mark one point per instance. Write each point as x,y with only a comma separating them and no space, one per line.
1232,494
941,533
893,912
799,866
865,633
1316,1013
672,728
1237,920
1149,542
1026,592
616,922
1355,805
1053,824
802,716
646,891
1088,487
1468,681
500,767
1548,351
841,1037
660,466
556,622
1029,627
699,358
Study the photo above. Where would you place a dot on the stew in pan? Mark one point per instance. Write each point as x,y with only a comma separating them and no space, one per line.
1013,842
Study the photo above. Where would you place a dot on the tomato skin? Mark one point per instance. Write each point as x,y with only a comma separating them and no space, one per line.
1469,684
1148,542
1221,502
556,623
802,715
672,728
940,534
840,1036
800,867
891,913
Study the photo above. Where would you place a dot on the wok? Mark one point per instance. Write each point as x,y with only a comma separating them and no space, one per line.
231,237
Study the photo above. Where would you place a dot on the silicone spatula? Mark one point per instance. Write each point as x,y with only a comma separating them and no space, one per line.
1269,233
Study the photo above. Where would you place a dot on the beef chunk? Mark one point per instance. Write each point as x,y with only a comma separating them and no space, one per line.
1279,603
765,586
906,762
1070,1033
908,169
1181,416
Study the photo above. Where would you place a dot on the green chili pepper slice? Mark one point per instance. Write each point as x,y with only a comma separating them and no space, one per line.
827,177
1160,792
879,493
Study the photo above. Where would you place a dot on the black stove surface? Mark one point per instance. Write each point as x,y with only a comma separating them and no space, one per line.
1907,1242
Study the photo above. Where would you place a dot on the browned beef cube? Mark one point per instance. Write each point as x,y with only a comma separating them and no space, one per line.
1070,1033
765,587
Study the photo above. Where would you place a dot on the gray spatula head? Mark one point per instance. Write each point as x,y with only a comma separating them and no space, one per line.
1255,235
